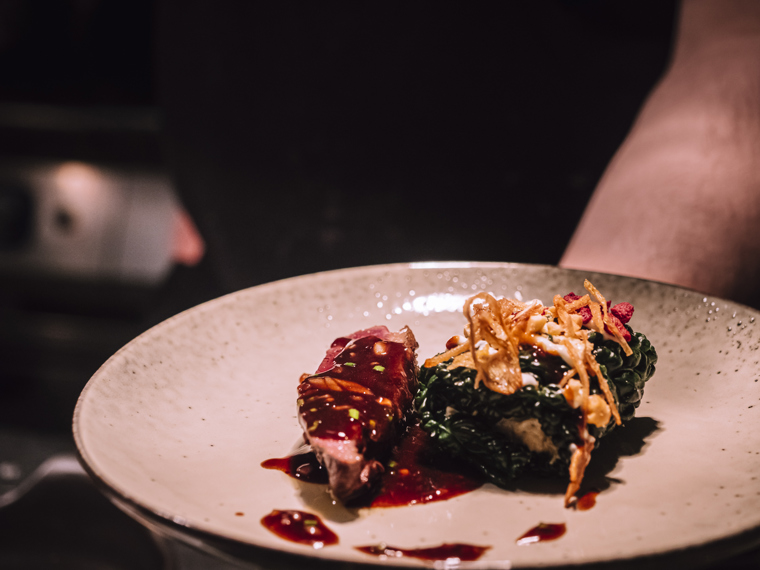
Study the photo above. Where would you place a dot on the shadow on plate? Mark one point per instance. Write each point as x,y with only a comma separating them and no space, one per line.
626,441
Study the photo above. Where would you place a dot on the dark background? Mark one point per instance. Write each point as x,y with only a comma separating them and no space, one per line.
343,134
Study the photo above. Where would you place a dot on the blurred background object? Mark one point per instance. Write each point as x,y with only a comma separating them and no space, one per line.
91,229
95,247
87,222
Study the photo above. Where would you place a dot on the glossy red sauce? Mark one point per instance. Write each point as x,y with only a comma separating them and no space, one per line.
587,501
464,552
416,474
300,527
302,466
542,533
363,395
554,367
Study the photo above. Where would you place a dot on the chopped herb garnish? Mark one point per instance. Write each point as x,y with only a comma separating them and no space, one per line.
392,464
379,368
354,413
314,426
309,522
351,364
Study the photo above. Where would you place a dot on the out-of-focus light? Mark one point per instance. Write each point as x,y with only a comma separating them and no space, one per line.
79,182
435,303
188,246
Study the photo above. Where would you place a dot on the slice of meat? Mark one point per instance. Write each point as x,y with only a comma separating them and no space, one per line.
354,408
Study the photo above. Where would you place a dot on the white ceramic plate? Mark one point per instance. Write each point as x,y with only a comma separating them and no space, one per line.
176,424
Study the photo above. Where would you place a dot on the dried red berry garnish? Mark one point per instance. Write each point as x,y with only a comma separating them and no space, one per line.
584,312
619,314
623,311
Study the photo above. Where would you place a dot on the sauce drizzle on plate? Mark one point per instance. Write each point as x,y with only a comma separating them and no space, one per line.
464,552
587,501
300,527
415,474
302,466
542,532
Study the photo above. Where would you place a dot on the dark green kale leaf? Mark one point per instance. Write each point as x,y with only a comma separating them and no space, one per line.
463,422
626,375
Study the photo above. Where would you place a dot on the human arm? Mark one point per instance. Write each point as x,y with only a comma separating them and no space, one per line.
680,201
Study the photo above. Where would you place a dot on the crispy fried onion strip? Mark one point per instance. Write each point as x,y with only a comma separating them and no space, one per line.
580,350
599,314
501,323
566,378
578,463
593,365
444,356
577,349
581,353
578,304
569,325
611,325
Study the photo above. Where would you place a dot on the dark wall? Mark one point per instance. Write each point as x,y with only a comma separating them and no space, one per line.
310,136
69,52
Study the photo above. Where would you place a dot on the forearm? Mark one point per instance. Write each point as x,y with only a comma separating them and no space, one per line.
680,202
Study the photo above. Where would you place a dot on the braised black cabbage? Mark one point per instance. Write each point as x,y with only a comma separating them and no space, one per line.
463,420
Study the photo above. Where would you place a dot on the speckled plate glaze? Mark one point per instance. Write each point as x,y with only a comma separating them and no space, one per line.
175,425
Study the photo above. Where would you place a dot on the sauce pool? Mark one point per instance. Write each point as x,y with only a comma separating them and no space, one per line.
542,533
464,552
302,466
587,501
415,474
300,527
